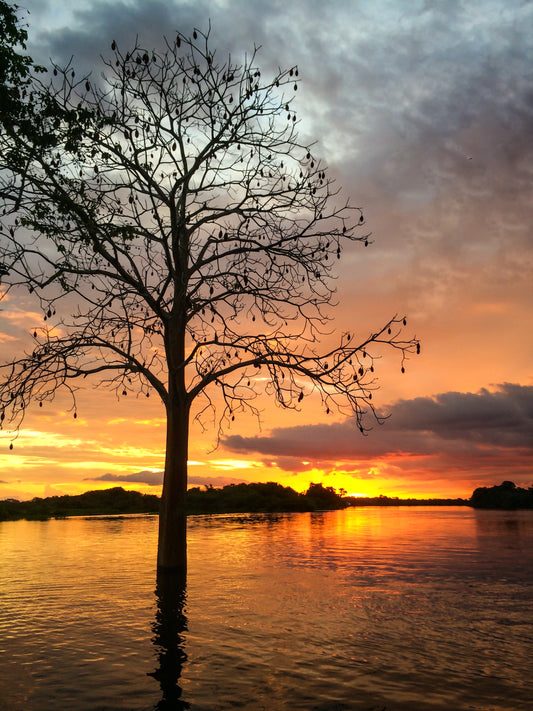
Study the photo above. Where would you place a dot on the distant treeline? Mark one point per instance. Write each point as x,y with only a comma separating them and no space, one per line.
396,501
505,496
107,501
245,498
234,498
262,498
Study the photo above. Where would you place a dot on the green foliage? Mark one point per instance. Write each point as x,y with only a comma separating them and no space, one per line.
14,66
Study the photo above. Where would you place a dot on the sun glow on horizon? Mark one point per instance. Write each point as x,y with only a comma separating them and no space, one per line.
228,464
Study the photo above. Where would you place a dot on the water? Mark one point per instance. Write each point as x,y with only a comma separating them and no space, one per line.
371,608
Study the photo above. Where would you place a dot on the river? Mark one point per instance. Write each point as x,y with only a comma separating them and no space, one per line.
376,608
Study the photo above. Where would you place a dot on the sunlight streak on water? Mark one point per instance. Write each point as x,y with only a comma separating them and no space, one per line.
403,608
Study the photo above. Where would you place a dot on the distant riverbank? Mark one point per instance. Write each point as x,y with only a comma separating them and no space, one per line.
234,498
246,498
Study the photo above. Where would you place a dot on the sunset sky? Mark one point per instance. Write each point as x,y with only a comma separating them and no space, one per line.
423,112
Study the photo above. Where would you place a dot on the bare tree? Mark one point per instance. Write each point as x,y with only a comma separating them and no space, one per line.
179,237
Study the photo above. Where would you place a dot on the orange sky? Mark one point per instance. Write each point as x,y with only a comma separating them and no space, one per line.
424,116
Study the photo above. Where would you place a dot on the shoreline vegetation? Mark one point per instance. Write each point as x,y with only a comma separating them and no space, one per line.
244,498
233,498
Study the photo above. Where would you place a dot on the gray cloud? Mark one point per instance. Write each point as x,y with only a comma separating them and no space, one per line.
450,425
156,479
399,96
503,418
144,477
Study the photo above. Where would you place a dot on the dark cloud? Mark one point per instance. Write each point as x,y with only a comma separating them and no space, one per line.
156,479
88,30
503,418
418,106
452,426
409,100
144,477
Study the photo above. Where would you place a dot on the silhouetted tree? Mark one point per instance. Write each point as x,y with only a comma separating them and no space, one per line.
14,66
503,496
15,69
324,497
178,237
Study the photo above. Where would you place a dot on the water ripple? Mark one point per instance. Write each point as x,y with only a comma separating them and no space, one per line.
419,609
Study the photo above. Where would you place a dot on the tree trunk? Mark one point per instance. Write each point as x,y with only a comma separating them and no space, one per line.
172,546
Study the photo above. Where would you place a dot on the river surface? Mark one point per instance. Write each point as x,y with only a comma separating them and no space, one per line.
369,608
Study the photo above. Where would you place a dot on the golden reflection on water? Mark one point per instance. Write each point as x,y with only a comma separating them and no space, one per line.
402,608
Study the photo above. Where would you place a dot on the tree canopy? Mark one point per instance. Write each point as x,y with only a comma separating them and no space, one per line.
15,67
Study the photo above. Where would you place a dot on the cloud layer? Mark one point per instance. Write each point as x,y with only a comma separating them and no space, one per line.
451,432
144,477
156,479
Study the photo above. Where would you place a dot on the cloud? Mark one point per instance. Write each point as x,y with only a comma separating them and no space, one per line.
412,75
143,477
420,109
503,418
425,110
450,431
156,479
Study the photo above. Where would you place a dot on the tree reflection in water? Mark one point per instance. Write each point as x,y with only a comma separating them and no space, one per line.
169,640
